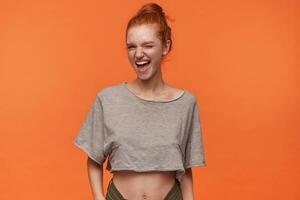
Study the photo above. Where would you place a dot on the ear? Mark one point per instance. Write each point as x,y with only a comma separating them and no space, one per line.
166,48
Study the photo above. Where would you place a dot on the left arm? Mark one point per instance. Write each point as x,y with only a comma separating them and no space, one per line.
187,185
193,152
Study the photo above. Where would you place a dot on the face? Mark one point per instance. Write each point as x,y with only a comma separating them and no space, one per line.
145,50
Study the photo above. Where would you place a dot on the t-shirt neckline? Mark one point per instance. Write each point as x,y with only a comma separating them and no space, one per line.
152,101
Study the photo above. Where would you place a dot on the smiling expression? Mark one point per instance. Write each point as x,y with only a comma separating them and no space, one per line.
145,50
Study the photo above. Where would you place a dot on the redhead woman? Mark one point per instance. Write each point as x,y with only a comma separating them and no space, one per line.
149,131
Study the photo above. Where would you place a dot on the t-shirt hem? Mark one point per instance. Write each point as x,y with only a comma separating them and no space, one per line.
196,164
89,154
144,170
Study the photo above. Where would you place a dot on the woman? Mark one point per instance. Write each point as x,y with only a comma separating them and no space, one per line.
149,130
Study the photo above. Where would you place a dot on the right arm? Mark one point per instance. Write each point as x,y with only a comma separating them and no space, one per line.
95,174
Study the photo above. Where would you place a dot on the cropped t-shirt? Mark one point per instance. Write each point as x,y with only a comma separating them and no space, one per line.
142,135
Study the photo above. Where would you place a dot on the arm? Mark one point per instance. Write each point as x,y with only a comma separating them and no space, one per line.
95,174
193,152
187,185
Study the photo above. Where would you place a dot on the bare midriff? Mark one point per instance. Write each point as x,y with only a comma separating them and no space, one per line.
152,185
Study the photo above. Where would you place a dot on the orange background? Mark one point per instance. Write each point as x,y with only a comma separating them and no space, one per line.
240,58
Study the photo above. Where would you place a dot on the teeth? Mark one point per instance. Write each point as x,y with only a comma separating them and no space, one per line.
142,62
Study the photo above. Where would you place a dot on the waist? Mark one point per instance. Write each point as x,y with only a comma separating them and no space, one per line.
142,180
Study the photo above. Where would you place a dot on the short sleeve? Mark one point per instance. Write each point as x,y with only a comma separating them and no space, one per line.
194,151
90,137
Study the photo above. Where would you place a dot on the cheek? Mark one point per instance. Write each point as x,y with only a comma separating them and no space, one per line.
154,53
130,54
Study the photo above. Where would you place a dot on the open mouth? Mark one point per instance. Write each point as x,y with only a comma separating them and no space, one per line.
142,63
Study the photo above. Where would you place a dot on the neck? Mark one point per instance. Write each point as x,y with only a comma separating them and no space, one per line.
154,85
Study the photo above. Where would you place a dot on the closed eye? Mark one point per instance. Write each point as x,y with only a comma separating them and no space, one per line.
133,47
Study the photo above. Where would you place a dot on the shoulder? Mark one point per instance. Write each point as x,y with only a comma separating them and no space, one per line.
190,96
193,103
109,91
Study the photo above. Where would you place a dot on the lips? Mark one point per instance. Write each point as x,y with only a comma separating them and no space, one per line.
143,65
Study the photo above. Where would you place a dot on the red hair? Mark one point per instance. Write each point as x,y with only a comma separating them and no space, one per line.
152,13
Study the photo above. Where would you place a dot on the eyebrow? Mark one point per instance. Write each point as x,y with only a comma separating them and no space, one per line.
150,42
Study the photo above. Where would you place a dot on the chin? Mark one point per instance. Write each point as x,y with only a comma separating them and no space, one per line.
151,73
144,78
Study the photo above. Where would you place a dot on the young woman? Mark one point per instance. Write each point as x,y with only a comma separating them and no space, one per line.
149,130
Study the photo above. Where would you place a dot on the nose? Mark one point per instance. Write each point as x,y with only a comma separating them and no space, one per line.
139,53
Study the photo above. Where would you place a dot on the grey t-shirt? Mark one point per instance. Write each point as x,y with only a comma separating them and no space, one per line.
142,135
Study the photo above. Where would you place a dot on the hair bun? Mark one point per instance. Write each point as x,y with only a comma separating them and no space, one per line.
151,8
152,13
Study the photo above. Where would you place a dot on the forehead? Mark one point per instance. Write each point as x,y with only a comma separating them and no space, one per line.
142,33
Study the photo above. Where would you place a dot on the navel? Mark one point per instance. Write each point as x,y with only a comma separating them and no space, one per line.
144,196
